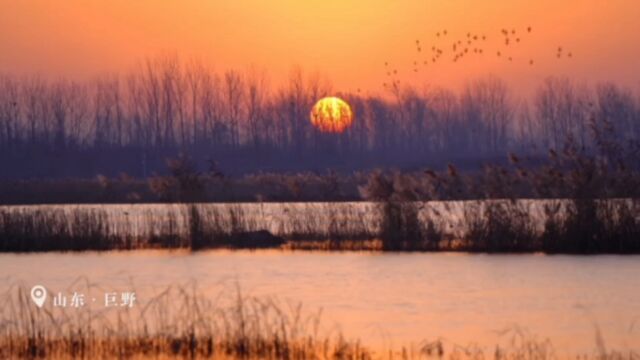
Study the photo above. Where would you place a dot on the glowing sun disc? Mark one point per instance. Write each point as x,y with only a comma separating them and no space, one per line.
331,114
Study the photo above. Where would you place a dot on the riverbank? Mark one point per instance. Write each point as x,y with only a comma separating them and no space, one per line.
181,321
510,226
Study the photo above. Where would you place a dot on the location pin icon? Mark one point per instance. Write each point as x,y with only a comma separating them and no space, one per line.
38,295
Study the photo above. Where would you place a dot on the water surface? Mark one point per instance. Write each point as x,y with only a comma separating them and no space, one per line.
389,299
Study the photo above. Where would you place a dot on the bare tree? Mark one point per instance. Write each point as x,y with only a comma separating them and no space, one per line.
10,112
162,108
487,111
233,99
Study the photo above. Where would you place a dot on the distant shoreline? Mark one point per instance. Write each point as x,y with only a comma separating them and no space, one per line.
476,226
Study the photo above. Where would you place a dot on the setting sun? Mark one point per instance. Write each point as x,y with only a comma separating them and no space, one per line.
331,114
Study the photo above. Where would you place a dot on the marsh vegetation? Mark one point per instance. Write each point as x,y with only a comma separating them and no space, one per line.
577,201
181,323
580,197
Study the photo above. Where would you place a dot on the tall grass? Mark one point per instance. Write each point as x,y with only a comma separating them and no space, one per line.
401,228
590,201
179,322
503,225
211,227
188,226
42,230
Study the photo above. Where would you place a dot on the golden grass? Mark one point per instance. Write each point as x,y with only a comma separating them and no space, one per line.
180,323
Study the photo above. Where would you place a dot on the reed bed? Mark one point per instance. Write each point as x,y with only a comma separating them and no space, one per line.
582,200
42,230
508,225
175,226
179,322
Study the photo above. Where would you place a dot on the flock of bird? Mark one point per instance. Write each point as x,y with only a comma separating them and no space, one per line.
455,49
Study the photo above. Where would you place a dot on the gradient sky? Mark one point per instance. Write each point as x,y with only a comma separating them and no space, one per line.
348,41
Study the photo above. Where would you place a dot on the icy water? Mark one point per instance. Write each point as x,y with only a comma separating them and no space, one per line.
387,300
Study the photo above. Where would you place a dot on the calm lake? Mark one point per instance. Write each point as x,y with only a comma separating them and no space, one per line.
389,299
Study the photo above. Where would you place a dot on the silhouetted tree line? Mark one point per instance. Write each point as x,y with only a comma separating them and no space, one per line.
133,123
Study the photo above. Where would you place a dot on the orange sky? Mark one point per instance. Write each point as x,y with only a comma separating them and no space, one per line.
346,40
